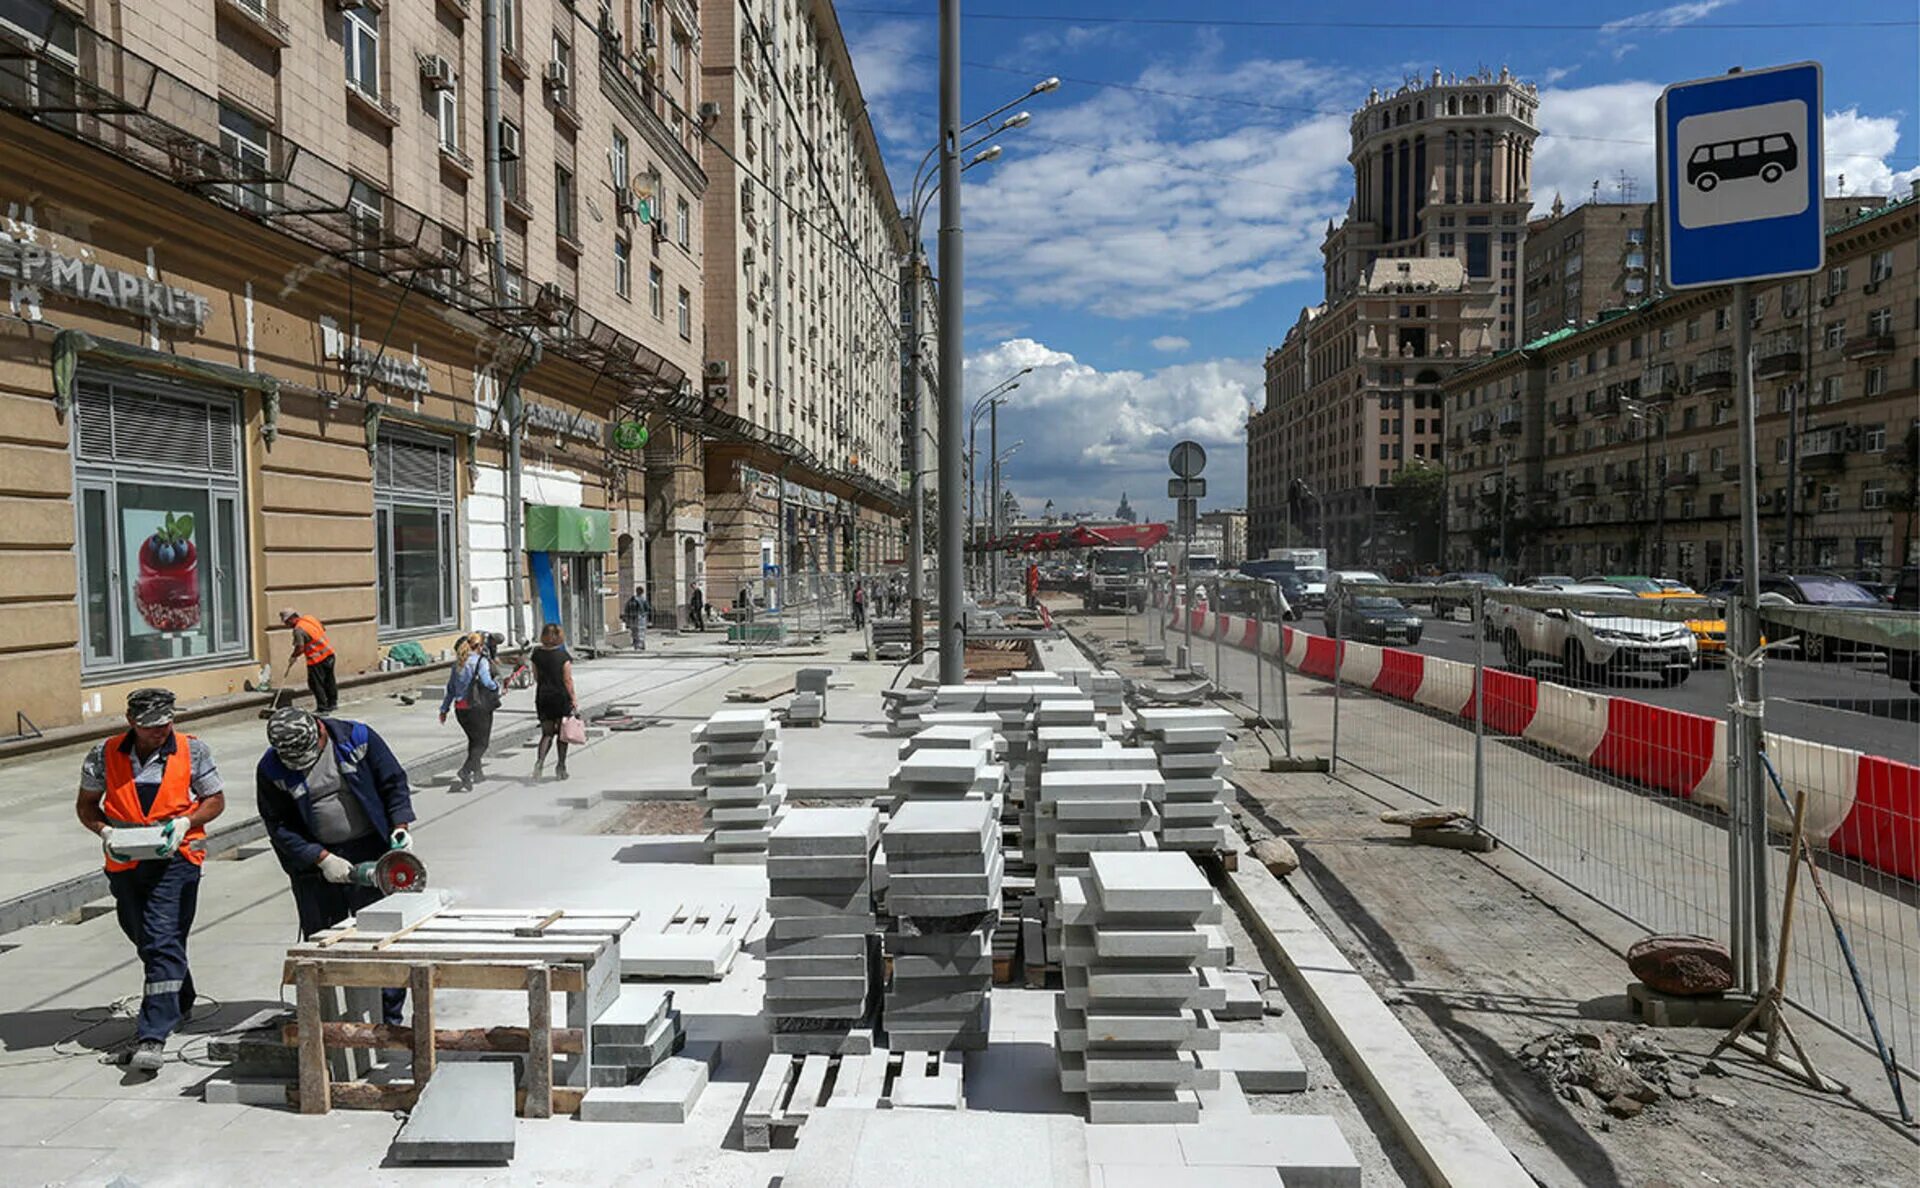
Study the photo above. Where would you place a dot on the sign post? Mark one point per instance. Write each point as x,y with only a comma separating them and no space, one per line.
1187,459
1741,168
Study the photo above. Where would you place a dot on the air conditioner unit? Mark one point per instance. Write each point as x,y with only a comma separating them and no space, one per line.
346,5
648,36
436,72
718,393
555,77
551,296
509,142
709,112
717,369
1826,301
1870,287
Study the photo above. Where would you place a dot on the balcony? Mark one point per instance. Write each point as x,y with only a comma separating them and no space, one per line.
1784,360
1565,417
1713,371
1509,422
1480,432
1683,480
1866,346
257,18
1660,382
1824,460
1624,484
1586,490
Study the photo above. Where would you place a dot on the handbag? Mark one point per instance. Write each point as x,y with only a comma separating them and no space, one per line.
573,731
479,696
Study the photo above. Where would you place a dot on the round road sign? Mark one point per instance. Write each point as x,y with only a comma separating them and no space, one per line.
1187,459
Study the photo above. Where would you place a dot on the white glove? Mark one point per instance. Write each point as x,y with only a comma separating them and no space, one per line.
402,839
175,832
336,869
106,839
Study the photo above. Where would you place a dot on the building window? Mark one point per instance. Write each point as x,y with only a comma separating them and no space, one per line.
1873,495
162,523
1873,439
1836,281
1831,390
1882,266
563,202
1876,384
617,161
446,107
562,68
510,27
512,176
686,314
683,223
246,141
1833,335
360,35
622,268
1880,321
413,533
1666,336
656,292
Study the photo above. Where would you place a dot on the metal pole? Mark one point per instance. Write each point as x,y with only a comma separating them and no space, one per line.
1747,729
916,480
1333,760
1260,661
1186,598
953,411
972,558
1480,703
994,531
496,231
1286,707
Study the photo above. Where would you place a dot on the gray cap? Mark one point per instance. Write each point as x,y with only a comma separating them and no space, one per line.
294,735
150,707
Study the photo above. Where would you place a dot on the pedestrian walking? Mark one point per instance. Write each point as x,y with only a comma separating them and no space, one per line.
553,697
473,694
859,605
745,607
332,795
310,642
153,775
697,608
635,615
1033,585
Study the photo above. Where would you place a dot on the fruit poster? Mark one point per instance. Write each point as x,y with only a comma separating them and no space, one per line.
163,555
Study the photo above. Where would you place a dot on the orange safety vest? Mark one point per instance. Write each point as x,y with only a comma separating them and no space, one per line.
121,805
317,648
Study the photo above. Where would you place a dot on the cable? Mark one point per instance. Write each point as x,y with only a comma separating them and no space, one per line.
1623,25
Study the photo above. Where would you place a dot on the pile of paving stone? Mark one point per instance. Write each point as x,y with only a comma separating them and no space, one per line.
821,963
736,758
944,872
1622,1073
1192,745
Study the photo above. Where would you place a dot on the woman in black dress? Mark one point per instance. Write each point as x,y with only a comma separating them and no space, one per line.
553,700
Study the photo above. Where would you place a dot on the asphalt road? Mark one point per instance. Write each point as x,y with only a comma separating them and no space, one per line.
1848,702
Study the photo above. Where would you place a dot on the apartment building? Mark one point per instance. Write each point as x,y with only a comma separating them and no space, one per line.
1420,279
258,350
1585,261
1613,447
803,306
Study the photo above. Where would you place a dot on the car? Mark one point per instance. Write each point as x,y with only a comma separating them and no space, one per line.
1709,632
1675,587
1638,583
1443,607
1554,581
1292,589
1594,645
1373,618
1822,590
1313,583
1903,664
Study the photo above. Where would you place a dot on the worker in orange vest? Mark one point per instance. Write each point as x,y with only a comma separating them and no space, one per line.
310,641
152,775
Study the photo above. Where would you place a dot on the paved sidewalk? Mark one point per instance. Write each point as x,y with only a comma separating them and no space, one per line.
42,845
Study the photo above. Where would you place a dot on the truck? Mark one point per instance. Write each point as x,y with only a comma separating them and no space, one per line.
1301,558
1116,577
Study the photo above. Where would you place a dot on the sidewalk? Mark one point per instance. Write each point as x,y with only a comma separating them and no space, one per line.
43,846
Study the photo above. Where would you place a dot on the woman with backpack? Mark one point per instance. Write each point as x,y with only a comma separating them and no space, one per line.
473,694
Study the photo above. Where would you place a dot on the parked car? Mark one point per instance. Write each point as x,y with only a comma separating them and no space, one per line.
1903,664
1444,606
1822,590
1709,633
1636,582
1555,581
1373,618
1593,645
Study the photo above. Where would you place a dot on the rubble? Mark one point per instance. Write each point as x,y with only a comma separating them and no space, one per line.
1621,1073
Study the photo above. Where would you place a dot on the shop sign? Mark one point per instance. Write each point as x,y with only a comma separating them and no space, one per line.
561,422
385,371
33,268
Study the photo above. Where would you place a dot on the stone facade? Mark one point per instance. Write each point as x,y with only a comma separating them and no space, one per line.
1585,261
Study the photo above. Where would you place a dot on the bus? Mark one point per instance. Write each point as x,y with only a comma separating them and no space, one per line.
1767,157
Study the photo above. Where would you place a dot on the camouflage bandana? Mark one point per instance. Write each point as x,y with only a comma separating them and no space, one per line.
294,735
150,707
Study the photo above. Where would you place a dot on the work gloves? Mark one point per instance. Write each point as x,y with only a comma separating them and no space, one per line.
106,840
402,839
336,869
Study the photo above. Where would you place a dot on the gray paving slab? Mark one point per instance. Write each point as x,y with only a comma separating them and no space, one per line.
667,1093
1308,1150
677,955
464,1115
402,910
937,1149
808,832
1126,1175
1262,1061
1150,883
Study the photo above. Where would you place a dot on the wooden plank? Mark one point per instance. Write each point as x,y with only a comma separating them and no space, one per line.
314,1095
540,928
465,946
376,972
364,1095
539,1044
570,1041
807,1087
424,1038
763,1104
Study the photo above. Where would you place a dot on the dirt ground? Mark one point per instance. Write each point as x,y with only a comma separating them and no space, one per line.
1480,955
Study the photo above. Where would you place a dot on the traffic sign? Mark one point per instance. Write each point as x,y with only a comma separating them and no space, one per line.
1741,166
1191,488
1187,459
1187,517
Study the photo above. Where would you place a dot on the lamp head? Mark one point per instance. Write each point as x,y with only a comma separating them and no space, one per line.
1046,84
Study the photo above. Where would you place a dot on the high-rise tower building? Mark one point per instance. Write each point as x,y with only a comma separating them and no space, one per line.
1422,274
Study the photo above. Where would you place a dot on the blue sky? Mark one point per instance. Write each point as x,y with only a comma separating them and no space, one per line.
1156,228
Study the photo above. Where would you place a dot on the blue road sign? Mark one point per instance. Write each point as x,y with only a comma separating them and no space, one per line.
1741,164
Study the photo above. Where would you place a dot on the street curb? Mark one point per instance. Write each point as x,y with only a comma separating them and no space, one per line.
1453,1145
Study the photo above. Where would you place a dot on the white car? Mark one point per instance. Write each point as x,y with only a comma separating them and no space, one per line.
1592,646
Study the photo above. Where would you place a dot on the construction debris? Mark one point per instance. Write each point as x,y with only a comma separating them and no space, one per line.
1621,1073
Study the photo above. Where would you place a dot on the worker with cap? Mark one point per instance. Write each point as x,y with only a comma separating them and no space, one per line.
310,641
332,796
153,775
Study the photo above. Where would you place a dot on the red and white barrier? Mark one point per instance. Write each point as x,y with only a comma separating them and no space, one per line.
1865,807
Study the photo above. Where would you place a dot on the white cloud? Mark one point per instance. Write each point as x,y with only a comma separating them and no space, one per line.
886,60
1595,133
1672,17
1091,435
1170,343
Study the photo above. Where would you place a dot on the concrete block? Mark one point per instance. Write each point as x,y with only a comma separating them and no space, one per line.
1261,1061
226,1089
403,910
1133,1175
1307,1150
811,832
668,1093
1160,883
1244,999
464,1115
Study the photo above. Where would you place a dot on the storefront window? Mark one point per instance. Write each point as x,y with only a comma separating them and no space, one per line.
160,525
413,528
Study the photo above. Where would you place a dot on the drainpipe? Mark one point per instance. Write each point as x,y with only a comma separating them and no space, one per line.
496,231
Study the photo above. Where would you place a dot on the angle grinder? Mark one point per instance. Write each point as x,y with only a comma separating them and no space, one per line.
393,871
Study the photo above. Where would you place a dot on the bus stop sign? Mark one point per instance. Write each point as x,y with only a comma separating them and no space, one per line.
1741,169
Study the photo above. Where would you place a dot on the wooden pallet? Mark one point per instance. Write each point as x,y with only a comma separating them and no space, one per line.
726,919
535,953
790,1089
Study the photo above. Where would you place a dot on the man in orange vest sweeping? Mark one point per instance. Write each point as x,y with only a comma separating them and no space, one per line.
310,641
149,794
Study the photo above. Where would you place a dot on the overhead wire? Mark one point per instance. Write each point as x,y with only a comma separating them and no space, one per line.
1622,25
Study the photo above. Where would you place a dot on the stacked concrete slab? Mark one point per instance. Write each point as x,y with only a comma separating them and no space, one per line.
638,1031
943,893
1192,745
820,963
1136,1009
949,773
1082,813
736,757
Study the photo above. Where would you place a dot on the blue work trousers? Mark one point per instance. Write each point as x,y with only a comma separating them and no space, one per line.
321,905
155,902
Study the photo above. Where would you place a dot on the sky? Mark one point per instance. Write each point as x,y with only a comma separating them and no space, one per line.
1156,227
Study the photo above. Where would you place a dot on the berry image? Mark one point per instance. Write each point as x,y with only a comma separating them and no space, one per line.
167,592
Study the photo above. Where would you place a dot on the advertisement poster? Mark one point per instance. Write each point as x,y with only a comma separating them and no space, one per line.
163,553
